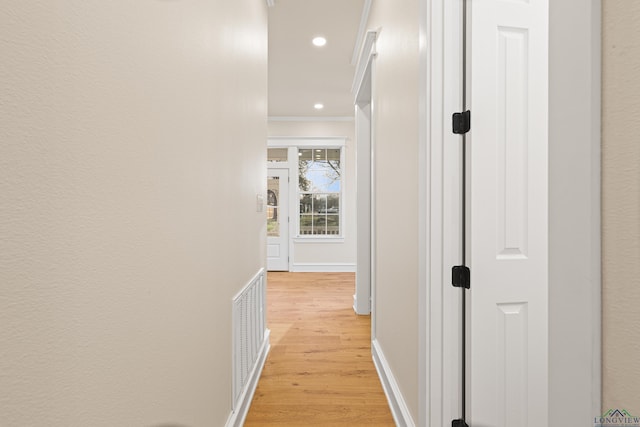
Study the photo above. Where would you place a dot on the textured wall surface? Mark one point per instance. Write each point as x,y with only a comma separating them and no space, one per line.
395,128
132,147
621,205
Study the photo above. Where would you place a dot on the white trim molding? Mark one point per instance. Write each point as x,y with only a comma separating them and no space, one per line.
310,119
399,408
317,267
271,3
237,417
306,141
439,212
317,239
367,52
364,20
364,105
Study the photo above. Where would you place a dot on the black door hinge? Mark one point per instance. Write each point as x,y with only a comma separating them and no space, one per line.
461,122
459,423
461,276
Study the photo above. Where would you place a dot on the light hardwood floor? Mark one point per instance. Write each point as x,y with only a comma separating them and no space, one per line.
319,371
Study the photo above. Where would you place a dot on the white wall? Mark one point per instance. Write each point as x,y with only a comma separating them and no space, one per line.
395,129
327,255
132,149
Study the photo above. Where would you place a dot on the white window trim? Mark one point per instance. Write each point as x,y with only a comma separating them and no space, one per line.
318,239
306,141
293,143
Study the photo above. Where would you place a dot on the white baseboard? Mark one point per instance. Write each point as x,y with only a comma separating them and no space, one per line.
359,311
399,409
323,268
237,417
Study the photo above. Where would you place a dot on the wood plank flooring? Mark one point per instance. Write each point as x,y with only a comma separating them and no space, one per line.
319,371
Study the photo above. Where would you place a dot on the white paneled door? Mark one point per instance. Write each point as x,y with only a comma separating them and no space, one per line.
277,220
507,378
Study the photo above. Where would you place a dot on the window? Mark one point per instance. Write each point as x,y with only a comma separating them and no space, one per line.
273,225
277,154
319,190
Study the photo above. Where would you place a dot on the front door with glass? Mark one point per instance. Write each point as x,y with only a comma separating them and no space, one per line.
277,220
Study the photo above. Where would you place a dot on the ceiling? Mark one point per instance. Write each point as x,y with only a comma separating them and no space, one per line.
300,74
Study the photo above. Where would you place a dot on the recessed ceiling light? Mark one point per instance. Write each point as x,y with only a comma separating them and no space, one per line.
319,41
318,106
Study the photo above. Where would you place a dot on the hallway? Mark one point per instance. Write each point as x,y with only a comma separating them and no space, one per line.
319,370
134,142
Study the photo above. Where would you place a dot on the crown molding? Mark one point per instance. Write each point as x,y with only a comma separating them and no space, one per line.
362,30
310,119
271,3
367,51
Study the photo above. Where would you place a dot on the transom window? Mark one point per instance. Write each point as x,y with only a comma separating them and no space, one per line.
319,190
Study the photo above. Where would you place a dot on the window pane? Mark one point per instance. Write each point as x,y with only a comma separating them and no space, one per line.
277,154
333,224
306,224
333,154
319,186
306,203
304,154
319,176
273,194
273,189
320,203
333,203
319,224
273,225
319,154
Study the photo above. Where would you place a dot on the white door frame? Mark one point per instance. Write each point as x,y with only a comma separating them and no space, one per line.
439,213
439,56
364,298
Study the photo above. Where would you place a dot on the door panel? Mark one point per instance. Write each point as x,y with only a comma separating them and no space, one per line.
508,313
277,220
